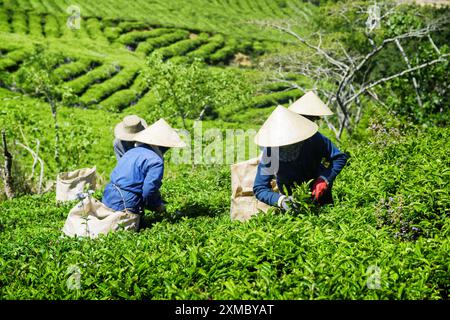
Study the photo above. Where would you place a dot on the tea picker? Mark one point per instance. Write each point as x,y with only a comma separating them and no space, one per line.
293,150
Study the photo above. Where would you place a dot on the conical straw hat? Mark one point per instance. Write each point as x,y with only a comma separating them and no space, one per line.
310,105
127,129
160,134
284,127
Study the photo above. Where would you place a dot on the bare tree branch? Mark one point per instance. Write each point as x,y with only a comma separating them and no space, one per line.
7,173
36,158
414,81
380,81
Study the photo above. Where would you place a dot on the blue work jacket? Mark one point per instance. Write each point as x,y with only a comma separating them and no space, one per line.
136,180
308,165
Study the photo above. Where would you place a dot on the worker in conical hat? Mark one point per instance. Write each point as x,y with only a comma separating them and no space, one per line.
310,106
293,150
124,133
137,177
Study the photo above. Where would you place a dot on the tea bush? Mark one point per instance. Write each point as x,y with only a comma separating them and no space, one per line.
346,251
81,84
100,91
166,39
386,237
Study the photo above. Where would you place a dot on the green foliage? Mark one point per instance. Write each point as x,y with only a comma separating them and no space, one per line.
72,70
272,99
134,37
391,201
196,252
166,39
185,91
99,74
98,92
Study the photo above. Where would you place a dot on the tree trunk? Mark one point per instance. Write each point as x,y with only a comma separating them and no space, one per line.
7,176
56,128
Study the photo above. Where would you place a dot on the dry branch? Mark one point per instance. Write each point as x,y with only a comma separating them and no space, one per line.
6,172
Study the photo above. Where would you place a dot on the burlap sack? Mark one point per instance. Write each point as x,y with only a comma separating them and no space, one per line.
69,184
90,217
243,202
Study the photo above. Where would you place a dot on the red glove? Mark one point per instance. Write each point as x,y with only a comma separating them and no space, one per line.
319,187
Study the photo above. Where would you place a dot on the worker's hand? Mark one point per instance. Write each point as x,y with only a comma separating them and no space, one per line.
318,189
288,203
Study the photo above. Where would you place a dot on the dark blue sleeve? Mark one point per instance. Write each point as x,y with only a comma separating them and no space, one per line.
152,183
118,149
262,187
337,158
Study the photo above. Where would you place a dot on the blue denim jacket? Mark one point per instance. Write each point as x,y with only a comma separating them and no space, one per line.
136,180
307,166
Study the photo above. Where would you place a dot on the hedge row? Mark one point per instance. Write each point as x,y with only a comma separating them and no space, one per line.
119,100
35,25
276,86
125,98
225,53
207,49
100,91
140,85
111,33
269,100
13,59
51,27
70,71
164,40
4,25
94,29
133,37
182,47
146,101
127,26
19,22
81,84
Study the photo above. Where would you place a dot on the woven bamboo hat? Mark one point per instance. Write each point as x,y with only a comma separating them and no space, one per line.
310,105
284,127
127,129
160,134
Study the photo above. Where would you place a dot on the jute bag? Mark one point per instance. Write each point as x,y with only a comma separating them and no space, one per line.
243,202
90,217
69,184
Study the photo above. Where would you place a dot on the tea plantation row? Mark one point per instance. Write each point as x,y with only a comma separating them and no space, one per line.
387,237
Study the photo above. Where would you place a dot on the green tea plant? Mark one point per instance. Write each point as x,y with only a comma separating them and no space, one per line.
36,78
192,91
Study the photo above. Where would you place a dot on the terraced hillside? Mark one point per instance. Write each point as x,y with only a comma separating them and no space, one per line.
104,58
226,16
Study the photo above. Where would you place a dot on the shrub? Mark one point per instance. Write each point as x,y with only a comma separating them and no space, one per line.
100,91
99,74
164,40
272,99
19,22
225,53
35,25
134,37
4,25
51,27
181,47
70,71
207,49
94,29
